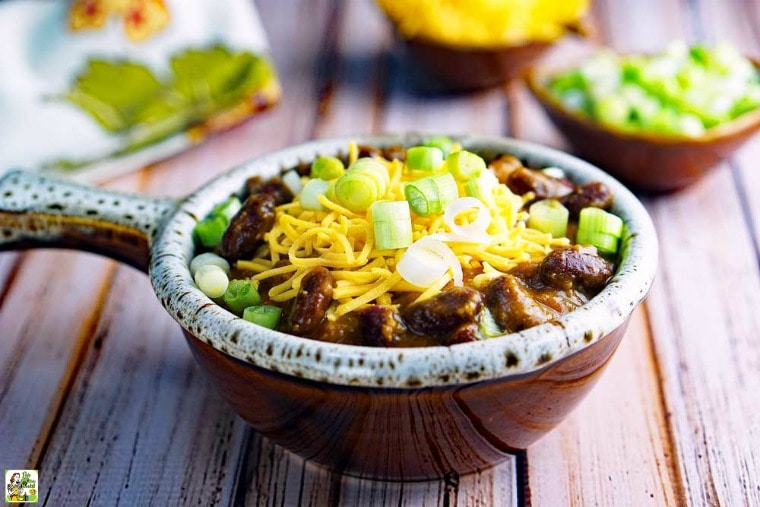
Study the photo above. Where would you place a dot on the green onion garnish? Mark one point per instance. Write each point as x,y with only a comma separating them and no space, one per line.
365,182
263,315
208,258
240,295
327,168
356,191
549,216
212,280
599,228
392,224
482,187
210,230
465,165
424,158
430,195
227,209
443,143
309,196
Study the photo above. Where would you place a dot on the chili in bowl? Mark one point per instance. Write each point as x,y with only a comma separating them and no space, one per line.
376,411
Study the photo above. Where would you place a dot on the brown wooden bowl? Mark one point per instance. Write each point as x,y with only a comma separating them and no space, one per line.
409,413
649,162
459,68
406,434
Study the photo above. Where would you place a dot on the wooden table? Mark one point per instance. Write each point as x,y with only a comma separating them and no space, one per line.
99,392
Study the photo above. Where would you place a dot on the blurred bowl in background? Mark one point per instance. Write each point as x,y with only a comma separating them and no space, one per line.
471,68
480,43
647,161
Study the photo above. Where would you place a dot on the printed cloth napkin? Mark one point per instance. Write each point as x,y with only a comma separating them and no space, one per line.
94,88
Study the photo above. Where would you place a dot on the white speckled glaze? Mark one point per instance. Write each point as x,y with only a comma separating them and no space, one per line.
35,210
512,354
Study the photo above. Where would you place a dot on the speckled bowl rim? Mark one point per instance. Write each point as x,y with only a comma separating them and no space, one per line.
353,365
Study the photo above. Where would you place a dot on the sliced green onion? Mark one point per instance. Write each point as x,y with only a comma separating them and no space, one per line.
227,209
430,195
482,187
263,315
241,294
443,143
488,325
208,258
210,230
465,165
549,216
375,169
599,228
309,196
392,224
292,180
424,158
212,280
356,191
605,243
327,168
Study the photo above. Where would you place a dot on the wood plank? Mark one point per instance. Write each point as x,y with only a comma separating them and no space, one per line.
44,330
9,265
708,363
616,447
354,66
614,450
176,442
742,28
143,425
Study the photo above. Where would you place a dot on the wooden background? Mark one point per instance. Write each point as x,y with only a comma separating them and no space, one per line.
99,392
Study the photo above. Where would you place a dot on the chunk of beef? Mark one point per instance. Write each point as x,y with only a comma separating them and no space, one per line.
464,334
576,267
394,152
345,329
273,186
312,301
503,166
513,306
380,325
445,312
594,194
369,151
248,226
522,180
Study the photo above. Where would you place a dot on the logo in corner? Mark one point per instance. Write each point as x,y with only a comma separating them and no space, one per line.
21,486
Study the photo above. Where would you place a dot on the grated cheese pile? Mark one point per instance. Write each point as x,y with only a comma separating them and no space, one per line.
342,241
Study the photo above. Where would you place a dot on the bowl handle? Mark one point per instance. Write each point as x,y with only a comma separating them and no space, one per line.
42,212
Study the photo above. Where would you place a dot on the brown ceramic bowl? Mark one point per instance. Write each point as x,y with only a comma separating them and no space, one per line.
464,68
376,412
459,68
646,161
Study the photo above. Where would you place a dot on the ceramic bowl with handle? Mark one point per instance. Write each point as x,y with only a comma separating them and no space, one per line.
398,413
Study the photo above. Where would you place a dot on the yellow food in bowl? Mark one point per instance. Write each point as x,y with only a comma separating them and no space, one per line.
484,23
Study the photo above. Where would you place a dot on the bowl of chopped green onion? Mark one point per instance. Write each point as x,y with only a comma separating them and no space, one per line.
659,122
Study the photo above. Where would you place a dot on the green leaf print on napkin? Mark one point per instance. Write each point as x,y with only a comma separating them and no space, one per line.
213,79
115,93
127,97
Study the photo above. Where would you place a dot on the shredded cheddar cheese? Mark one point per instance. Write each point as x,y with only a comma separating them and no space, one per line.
342,241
